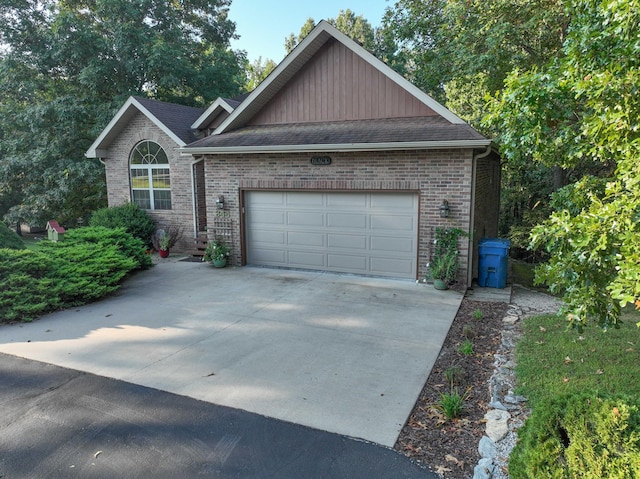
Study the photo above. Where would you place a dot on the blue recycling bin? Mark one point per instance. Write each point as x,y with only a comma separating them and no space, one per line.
492,265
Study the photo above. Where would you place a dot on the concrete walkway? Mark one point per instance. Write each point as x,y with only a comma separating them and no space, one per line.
342,354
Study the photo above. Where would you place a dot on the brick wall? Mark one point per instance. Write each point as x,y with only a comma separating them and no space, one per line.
118,184
433,174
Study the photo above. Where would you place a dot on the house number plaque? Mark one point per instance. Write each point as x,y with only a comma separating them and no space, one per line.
320,160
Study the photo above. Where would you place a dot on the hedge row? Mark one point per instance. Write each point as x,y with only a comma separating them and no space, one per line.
584,435
89,264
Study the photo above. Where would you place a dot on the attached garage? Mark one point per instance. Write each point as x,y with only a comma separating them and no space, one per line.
335,162
374,233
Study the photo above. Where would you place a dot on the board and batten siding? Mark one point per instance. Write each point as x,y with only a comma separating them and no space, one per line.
338,85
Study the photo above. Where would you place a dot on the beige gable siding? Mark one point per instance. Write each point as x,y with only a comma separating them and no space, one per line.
337,85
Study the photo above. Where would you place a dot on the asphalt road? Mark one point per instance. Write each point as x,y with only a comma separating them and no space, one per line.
61,423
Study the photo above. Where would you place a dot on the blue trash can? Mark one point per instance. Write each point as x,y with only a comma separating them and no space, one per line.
492,265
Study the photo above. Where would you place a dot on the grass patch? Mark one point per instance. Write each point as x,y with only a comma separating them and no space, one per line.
552,361
523,273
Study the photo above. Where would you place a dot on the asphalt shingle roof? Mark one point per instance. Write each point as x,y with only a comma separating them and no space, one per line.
178,118
419,129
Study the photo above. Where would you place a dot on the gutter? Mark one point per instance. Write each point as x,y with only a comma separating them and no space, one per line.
472,215
343,147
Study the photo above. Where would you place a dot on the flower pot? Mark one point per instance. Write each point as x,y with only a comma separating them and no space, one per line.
163,253
219,263
440,284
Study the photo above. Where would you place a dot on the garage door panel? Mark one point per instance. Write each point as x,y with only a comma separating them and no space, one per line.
348,200
358,242
394,246
307,218
296,238
394,202
392,267
267,198
274,257
268,217
306,259
362,233
270,237
350,263
342,220
396,223
304,200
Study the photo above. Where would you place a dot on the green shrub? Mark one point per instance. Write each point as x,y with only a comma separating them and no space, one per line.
9,239
127,244
89,264
579,436
128,216
25,285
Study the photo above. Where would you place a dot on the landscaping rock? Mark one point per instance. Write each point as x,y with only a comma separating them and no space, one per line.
487,448
497,424
484,469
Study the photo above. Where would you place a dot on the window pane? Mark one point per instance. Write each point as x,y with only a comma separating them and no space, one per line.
142,199
162,199
161,156
160,178
139,178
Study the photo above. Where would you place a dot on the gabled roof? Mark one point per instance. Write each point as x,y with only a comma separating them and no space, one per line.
296,60
174,120
237,133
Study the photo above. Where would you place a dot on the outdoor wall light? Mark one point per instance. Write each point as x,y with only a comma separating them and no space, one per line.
444,209
220,202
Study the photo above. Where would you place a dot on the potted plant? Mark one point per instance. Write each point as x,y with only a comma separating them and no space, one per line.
164,244
216,253
443,269
164,239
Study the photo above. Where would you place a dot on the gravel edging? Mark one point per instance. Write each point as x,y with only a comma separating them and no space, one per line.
509,411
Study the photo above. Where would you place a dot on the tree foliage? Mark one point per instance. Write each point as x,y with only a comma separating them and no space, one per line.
381,42
584,106
65,68
258,71
459,39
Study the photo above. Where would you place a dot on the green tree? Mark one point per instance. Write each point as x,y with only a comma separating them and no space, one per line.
459,39
585,106
381,42
356,27
258,71
292,40
65,68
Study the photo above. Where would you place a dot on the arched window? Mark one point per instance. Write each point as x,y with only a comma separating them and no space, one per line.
150,180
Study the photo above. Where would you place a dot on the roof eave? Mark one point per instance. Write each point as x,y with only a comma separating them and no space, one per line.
341,147
209,114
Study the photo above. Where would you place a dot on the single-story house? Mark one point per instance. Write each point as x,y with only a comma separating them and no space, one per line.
334,162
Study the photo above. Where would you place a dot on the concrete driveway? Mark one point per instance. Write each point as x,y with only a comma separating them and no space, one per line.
343,354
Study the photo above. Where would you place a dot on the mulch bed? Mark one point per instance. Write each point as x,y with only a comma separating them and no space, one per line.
449,447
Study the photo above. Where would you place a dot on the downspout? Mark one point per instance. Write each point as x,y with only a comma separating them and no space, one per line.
193,197
472,219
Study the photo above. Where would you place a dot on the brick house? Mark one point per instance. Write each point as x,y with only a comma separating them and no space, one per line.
334,162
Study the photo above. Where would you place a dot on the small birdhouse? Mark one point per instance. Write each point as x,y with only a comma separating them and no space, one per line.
55,232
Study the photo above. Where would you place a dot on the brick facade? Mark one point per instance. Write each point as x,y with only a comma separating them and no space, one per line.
434,174
118,181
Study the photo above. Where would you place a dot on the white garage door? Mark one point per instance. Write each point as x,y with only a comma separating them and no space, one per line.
361,233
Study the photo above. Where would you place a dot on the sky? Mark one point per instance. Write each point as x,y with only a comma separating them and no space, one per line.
263,25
